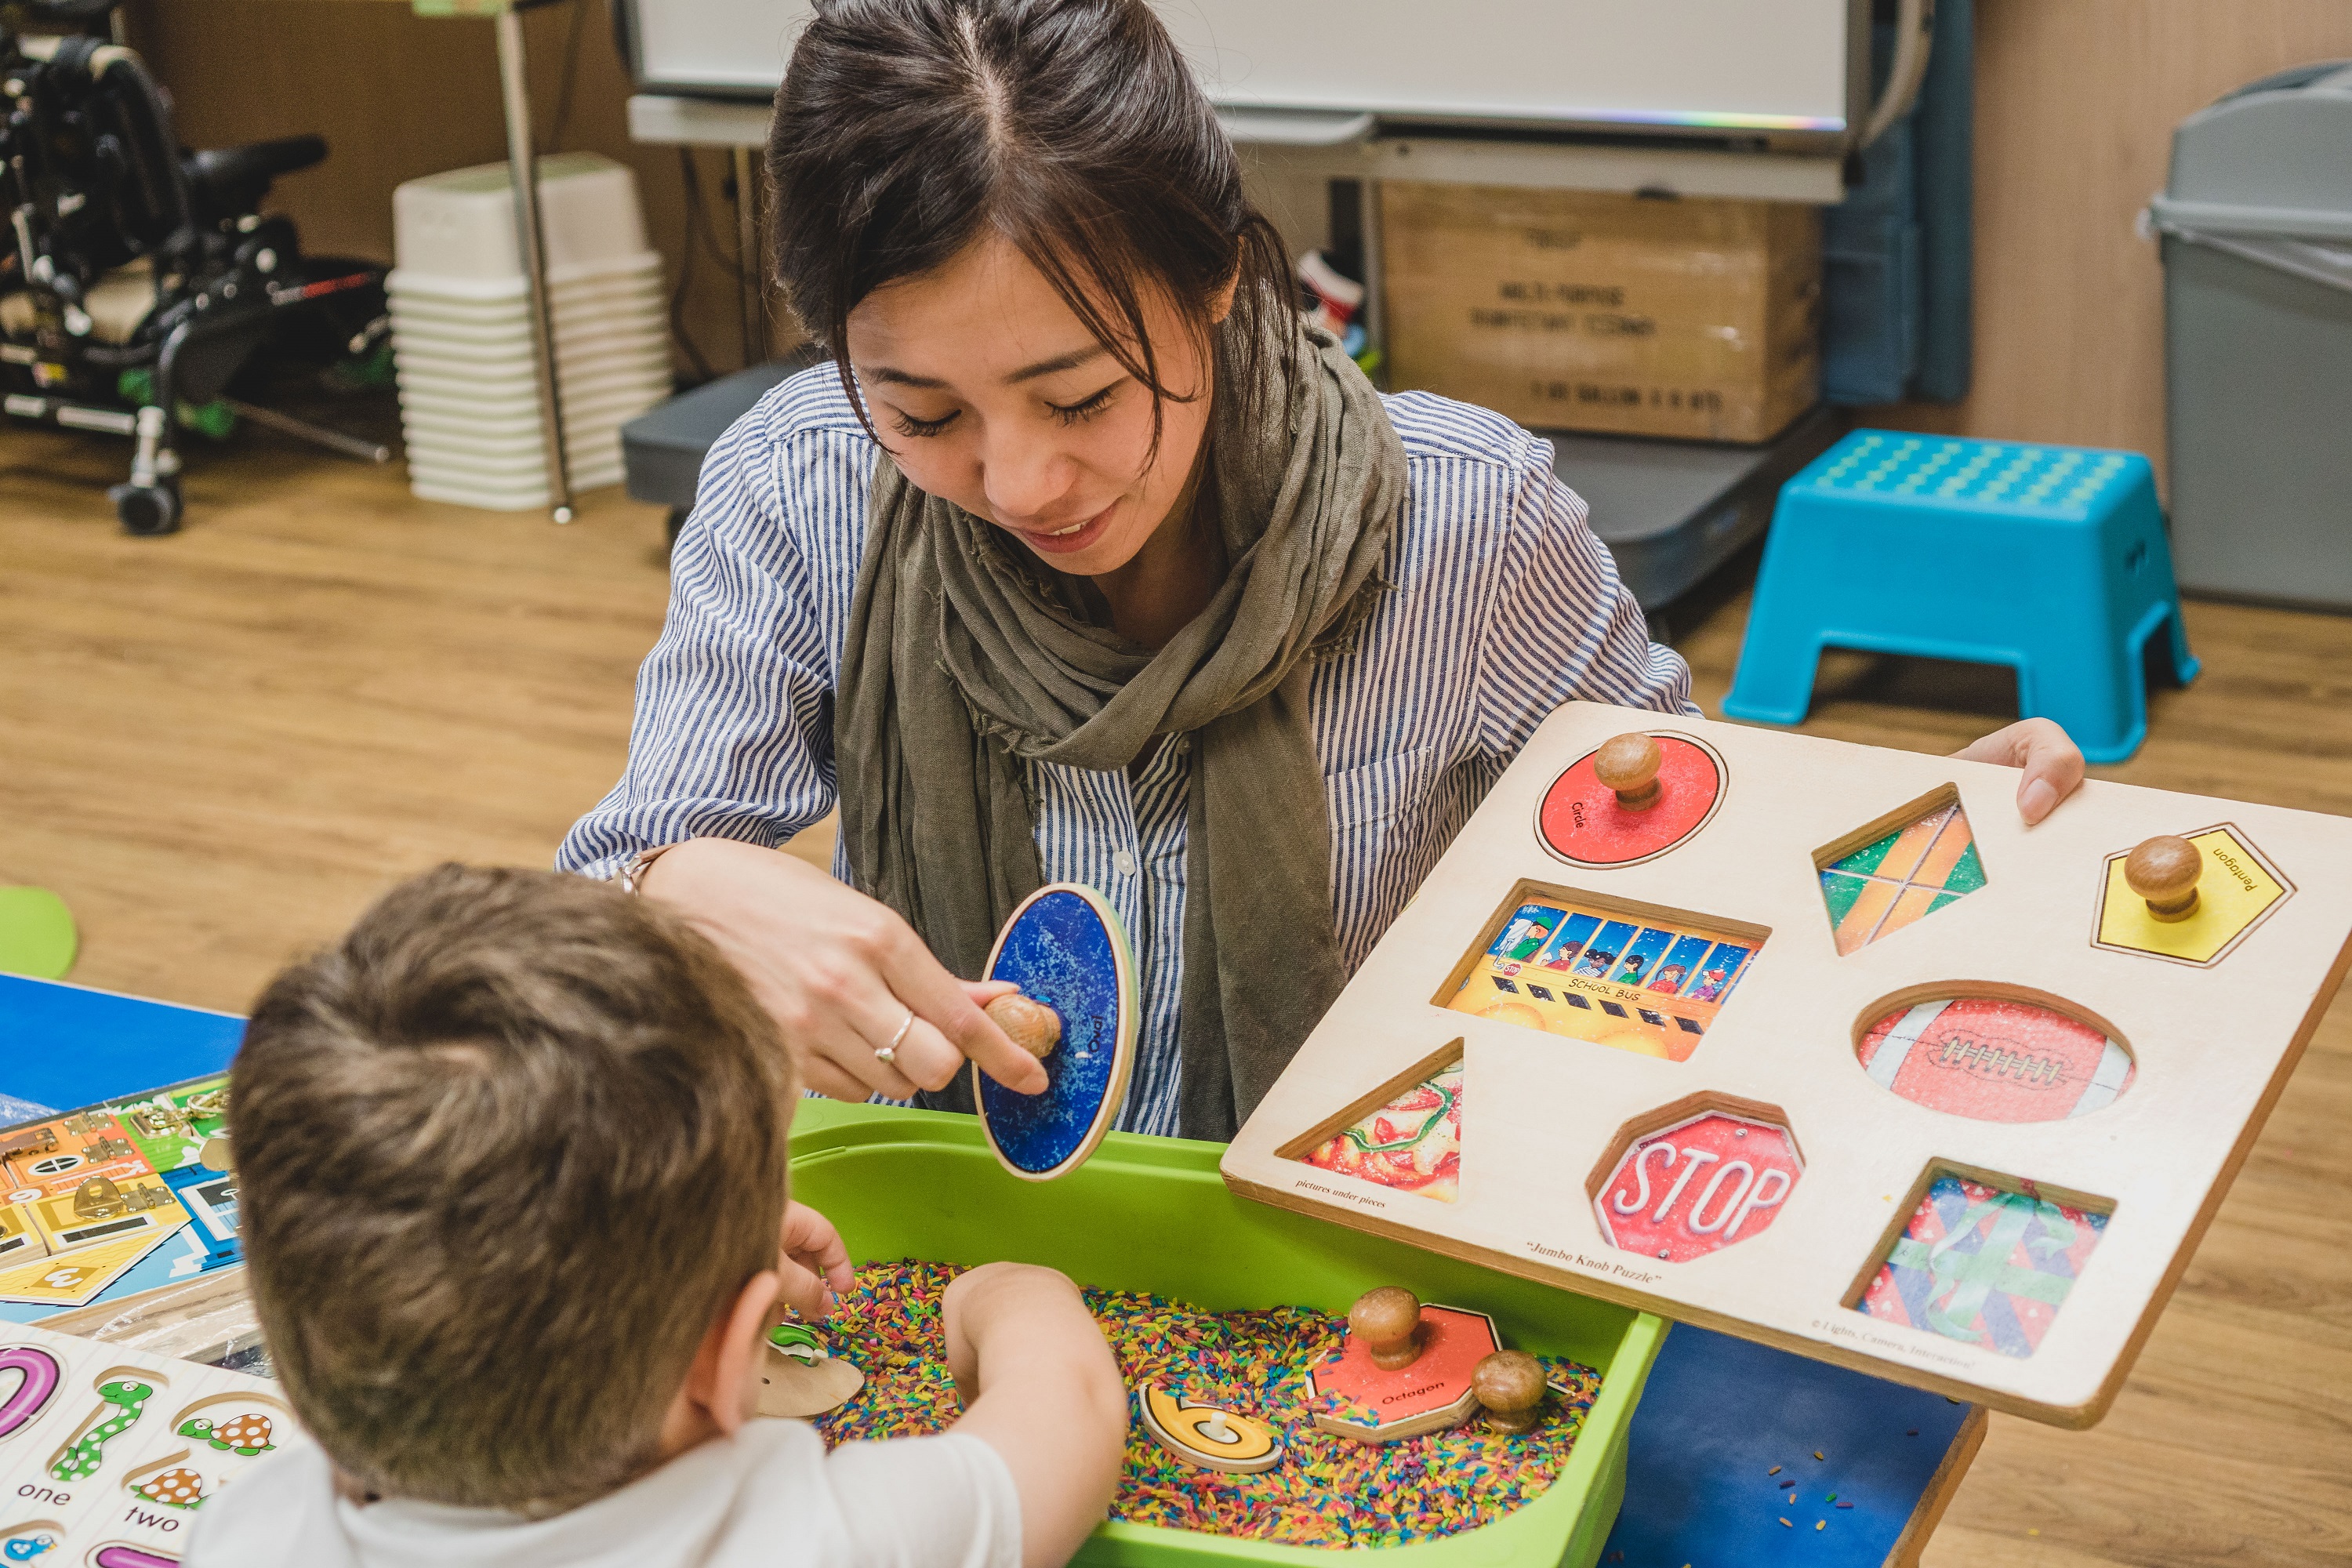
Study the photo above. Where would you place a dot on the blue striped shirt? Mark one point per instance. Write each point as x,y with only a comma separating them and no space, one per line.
1504,606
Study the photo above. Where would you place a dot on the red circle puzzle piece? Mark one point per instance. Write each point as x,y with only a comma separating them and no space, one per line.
1581,821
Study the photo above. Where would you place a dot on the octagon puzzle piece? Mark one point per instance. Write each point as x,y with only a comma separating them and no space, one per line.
1352,1397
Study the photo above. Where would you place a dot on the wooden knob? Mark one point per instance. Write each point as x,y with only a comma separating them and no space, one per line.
1629,765
1388,1319
1033,1026
1510,1384
2163,871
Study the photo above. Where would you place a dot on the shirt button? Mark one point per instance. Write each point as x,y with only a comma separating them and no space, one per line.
1123,863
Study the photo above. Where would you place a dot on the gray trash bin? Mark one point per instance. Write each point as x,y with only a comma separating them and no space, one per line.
2256,225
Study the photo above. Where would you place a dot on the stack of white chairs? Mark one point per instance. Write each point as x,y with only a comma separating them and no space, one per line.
461,329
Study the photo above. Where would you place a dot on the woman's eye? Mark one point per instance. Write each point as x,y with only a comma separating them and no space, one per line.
908,425
1078,413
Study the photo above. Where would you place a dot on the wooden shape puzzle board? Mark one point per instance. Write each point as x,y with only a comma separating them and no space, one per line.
1991,1199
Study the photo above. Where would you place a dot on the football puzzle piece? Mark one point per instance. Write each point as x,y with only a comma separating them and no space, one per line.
1995,1059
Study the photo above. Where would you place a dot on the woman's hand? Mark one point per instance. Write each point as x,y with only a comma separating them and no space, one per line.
812,1263
839,971
2052,763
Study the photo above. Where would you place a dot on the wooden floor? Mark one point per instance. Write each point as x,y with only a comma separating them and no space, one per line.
217,747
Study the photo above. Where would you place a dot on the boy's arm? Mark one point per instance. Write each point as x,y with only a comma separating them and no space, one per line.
1040,1387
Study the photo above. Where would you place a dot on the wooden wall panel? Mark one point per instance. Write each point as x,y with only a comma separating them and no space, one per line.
2076,100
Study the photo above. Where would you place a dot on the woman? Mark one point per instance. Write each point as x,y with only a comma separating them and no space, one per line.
1087,561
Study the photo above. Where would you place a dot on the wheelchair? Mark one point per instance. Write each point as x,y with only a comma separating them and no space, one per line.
141,280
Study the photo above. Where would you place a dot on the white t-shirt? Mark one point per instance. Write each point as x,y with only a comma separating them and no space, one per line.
771,1496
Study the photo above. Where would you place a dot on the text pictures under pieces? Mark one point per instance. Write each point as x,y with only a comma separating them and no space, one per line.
1623,984
1984,1265
1413,1143
1877,891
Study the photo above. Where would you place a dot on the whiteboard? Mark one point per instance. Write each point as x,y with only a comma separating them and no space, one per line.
1744,65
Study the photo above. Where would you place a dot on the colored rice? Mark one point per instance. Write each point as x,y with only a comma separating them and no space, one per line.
1415,1488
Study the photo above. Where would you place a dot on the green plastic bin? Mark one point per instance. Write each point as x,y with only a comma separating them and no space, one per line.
1152,1215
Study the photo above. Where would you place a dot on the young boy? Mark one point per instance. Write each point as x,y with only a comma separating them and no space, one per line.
512,1164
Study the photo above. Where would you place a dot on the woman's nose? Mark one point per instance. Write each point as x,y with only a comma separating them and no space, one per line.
1024,479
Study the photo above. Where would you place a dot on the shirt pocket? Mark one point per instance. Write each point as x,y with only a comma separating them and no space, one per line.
1363,800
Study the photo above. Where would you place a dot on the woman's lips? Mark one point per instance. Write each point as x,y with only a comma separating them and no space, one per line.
1048,543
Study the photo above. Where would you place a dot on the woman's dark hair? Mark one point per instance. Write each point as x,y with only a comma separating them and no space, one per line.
906,129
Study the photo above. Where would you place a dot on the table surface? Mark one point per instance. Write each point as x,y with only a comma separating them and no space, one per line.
1717,1416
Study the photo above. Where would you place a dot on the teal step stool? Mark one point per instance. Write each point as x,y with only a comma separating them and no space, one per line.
2050,559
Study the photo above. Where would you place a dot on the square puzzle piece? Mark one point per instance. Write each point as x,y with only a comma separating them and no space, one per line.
1983,1264
1890,883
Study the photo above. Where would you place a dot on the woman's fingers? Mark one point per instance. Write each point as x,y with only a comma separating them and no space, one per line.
946,1003
2051,763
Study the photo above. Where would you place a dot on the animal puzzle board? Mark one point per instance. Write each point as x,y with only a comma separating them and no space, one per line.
1857,1064
107,1455
113,1199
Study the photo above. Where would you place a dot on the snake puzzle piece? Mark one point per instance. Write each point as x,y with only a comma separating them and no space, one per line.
106,1454
1067,949
104,1202
1821,1045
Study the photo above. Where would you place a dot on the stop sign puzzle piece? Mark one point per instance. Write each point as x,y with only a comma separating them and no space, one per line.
1698,1186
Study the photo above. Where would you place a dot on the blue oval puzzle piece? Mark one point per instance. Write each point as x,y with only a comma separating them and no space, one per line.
1065,947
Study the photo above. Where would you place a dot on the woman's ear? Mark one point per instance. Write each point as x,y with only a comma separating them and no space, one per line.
1220,304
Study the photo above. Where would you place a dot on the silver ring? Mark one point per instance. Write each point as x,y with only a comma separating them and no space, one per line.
889,1054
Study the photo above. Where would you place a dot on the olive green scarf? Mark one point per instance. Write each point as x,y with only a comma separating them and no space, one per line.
965,660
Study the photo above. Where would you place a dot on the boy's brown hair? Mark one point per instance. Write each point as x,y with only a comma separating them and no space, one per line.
503,1154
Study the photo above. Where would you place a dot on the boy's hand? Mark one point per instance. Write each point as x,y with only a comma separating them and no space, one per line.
2052,763
814,1265
984,1301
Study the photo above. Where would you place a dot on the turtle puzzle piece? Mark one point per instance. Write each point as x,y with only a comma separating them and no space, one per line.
178,1487
246,1433
1067,949
80,1458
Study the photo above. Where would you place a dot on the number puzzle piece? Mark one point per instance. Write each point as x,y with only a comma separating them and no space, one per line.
37,1376
80,1458
1208,1435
